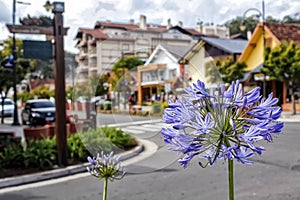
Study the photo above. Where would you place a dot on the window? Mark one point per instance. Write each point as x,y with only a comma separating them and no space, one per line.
172,73
125,47
153,74
142,47
161,75
43,104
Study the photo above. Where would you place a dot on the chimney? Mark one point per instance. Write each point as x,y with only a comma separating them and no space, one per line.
143,23
180,24
199,27
131,21
169,24
249,35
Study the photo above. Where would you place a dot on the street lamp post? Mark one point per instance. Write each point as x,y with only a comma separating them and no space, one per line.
60,90
14,53
243,27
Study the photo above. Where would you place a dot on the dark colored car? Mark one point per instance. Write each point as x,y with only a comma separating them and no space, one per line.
38,112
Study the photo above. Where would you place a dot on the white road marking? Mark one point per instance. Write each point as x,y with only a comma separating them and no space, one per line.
133,131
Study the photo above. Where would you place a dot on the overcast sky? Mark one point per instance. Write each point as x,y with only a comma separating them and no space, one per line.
85,13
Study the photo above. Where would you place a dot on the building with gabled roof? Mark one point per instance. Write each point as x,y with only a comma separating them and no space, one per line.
275,34
100,47
172,67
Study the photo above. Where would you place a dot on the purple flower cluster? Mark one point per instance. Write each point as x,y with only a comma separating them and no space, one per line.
106,166
220,124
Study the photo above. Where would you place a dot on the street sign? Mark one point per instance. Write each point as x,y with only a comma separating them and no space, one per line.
8,62
261,77
33,29
37,49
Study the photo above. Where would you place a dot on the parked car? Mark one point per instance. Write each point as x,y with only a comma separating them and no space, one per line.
9,107
38,112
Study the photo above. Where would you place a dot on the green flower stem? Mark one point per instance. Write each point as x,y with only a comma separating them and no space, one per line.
105,188
230,179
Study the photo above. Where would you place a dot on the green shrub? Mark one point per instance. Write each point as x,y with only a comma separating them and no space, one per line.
40,153
43,154
119,138
107,105
157,108
12,156
95,141
76,148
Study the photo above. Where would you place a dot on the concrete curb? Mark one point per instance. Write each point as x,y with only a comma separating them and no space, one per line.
56,173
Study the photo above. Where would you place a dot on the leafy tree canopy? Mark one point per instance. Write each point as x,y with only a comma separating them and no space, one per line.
231,71
282,63
251,22
22,65
129,62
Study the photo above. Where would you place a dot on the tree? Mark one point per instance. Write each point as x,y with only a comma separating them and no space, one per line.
288,19
234,25
101,89
230,70
6,75
43,69
129,62
282,63
121,78
251,22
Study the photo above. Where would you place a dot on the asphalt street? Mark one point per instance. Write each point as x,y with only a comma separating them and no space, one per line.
158,176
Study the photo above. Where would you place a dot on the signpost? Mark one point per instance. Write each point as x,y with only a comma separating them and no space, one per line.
58,31
33,29
37,49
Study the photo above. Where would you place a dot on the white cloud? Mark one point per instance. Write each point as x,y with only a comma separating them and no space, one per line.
85,13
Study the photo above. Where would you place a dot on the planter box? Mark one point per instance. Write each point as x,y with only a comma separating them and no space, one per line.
36,133
288,107
52,130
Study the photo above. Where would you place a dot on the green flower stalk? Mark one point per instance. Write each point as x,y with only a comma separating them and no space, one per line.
107,167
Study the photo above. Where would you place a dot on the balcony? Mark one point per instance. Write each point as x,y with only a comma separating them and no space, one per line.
82,69
81,56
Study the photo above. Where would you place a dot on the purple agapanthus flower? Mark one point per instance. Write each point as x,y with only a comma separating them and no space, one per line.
220,124
106,166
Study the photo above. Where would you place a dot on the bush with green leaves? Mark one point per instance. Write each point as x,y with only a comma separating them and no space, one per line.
107,105
12,156
76,148
119,138
41,92
40,153
93,141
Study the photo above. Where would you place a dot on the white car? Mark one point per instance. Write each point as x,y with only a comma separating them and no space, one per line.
9,107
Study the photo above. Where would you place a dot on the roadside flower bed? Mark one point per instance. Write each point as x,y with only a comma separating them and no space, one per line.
40,155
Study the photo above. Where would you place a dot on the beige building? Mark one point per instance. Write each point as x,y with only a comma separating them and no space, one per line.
100,47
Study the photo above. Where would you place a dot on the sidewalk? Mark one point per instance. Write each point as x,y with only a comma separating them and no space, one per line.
289,117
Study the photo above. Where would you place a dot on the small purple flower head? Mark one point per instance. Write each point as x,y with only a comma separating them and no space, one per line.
106,166
220,124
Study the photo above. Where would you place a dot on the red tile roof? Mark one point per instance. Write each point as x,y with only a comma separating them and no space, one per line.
124,26
193,32
285,32
96,33
116,25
